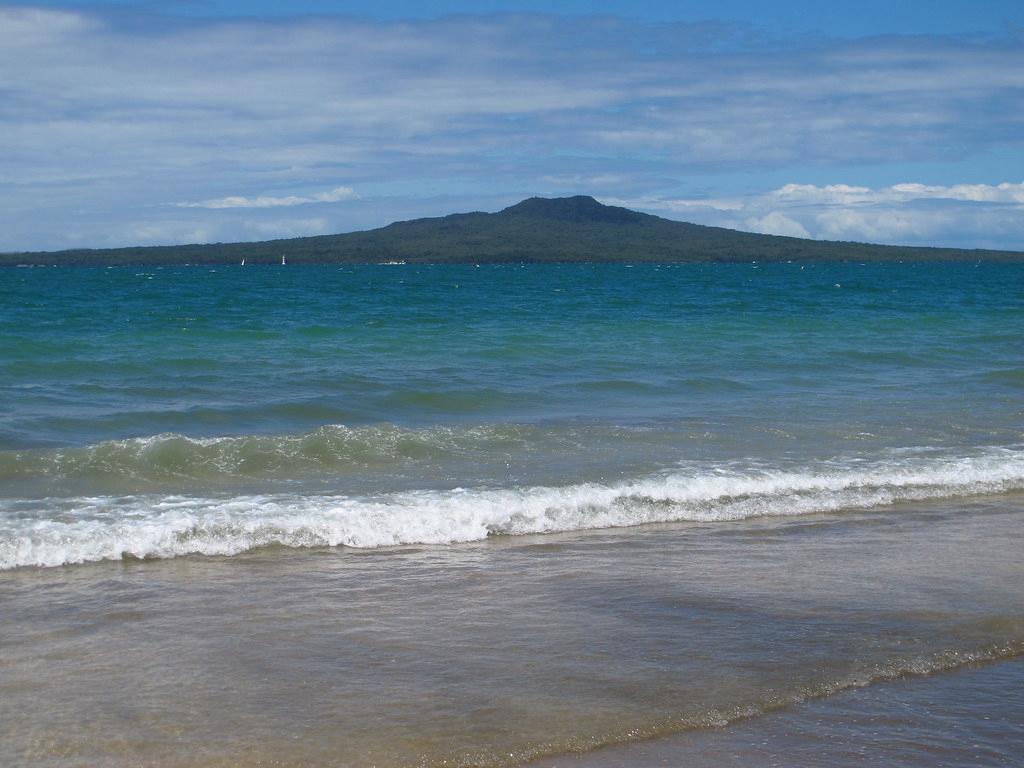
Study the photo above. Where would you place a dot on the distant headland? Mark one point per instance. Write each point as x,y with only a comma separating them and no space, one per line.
564,229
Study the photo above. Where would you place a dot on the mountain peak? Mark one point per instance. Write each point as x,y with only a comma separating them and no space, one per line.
579,208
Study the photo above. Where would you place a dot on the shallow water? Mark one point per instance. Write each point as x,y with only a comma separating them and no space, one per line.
473,516
496,652
970,718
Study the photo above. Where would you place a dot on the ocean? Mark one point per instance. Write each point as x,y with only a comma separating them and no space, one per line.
407,515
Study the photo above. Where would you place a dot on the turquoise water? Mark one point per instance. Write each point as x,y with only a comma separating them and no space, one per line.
91,355
449,515
289,405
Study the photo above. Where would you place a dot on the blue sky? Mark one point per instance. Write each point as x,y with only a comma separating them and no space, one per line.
211,120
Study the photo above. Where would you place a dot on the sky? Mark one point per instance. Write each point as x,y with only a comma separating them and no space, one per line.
176,121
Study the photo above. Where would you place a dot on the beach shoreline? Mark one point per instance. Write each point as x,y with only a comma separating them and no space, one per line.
970,716
471,517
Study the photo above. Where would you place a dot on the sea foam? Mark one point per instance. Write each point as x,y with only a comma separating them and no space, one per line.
60,531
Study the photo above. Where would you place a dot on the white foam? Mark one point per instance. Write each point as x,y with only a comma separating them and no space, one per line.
53,532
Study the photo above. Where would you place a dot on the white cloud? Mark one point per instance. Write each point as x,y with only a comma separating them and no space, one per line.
102,121
877,224
958,215
844,194
335,195
998,193
776,223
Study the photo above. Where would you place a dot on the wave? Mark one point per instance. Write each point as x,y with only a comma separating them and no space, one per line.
59,531
332,448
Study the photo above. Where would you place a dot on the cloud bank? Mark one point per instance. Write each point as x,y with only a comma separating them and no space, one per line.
111,127
959,215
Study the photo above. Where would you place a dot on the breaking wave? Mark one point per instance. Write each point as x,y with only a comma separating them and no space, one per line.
58,531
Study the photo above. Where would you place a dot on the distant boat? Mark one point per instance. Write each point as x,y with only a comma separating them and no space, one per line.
283,262
243,262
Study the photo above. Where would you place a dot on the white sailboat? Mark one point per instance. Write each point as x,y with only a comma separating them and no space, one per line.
283,262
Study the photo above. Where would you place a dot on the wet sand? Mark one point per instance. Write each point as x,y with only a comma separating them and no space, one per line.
971,717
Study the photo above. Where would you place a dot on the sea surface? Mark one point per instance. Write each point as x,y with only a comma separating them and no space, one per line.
403,515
